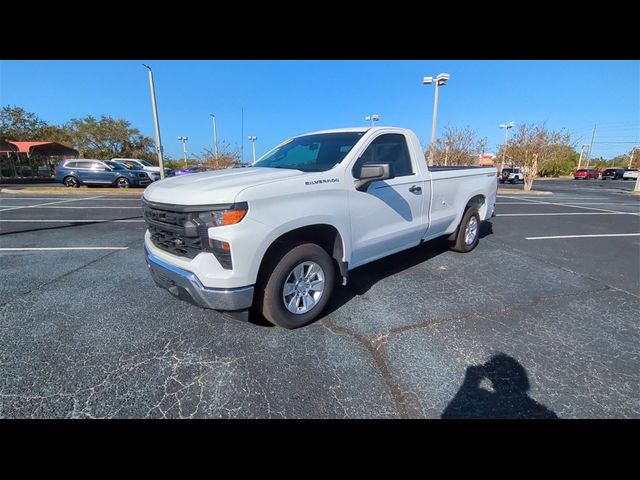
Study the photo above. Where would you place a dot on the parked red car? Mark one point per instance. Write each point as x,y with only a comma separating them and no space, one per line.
585,174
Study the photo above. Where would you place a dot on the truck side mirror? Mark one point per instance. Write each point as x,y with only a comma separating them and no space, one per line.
372,172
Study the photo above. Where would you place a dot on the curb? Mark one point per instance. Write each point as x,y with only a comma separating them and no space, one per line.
74,191
508,191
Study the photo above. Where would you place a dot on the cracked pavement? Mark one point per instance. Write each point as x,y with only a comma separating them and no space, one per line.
88,334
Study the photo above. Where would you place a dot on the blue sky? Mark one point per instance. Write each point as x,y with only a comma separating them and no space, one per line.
285,98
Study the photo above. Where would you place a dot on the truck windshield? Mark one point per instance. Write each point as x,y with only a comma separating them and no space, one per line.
311,153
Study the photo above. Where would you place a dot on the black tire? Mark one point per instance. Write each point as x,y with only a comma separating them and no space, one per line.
513,180
122,182
71,182
270,296
458,240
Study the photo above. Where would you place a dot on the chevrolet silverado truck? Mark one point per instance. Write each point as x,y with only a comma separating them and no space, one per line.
283,233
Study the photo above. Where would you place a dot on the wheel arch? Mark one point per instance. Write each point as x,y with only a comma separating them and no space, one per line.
325,235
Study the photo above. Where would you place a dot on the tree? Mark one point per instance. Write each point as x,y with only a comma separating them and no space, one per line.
227,157
565,163
19,125
108,138
534,146
458,146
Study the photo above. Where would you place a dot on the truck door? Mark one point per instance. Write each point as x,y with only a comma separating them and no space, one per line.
388,216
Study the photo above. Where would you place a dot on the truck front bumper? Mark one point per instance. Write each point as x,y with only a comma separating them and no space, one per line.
186,286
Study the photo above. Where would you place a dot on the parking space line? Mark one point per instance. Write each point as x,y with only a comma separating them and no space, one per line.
585,236
556,214
50,203
102,197
38,249
78,208
133,220
564,204
558,197
584,208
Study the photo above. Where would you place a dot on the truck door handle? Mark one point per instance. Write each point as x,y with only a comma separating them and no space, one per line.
415,189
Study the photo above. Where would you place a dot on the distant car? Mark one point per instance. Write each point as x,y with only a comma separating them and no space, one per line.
132,166
152,170
630,173
187,171
586,174
513,175
613,173
83,171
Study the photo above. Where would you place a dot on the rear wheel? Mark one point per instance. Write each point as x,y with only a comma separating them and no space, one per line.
468,233
299,286
71,182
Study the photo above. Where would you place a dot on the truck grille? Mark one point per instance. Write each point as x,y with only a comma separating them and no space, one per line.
173,232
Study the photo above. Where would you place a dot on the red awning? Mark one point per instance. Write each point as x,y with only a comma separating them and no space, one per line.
43,148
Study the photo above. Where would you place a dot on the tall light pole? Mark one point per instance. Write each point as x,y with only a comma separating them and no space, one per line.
215,136
581,152
253,141
441,80
156,122
184,148
374,118
506,127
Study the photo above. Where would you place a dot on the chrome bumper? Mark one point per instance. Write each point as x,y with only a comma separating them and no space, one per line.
186,286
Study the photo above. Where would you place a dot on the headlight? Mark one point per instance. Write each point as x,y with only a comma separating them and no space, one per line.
218,218
229,216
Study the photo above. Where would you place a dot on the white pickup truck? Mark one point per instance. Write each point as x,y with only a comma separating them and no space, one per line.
280,234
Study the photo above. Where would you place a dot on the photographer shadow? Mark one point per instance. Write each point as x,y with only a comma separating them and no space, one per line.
509,398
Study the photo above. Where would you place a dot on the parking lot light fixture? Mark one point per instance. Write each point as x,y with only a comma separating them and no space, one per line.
156,121
184,149
253,139
440,80
506,127
373,118
215,136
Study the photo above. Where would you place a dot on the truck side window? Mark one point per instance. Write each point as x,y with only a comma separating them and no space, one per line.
390,148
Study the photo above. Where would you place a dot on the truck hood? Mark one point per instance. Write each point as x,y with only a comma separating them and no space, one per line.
208,188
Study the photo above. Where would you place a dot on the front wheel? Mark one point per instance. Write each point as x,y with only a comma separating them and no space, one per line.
299,286
468,234
122,183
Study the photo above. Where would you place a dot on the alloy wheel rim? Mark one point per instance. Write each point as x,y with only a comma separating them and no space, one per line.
303,287
471,231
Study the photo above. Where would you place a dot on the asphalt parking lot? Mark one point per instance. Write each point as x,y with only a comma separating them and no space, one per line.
540,320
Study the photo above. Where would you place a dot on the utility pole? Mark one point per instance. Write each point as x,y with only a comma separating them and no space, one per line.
593,135
581,152
156,121
633,150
